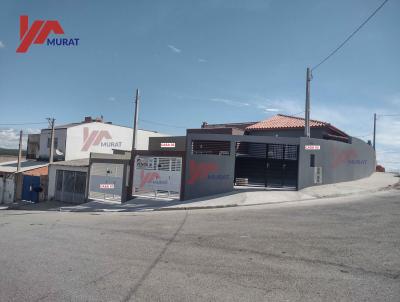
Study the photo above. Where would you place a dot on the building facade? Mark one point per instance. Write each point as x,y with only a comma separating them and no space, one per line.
273,154
78,140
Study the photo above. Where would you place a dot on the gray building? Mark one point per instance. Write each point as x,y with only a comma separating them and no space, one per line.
271,153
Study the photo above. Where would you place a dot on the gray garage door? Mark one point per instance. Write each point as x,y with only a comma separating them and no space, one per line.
106,181
70,186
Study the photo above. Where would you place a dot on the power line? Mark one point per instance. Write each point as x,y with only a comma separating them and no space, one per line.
21,124
366,135
162,124
350,36
297,113
398,114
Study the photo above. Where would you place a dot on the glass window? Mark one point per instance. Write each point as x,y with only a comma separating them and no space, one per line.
312,160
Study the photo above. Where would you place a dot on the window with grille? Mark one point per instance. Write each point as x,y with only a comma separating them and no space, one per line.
275,151
291,152
211,147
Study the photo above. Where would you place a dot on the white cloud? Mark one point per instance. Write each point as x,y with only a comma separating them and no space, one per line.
9,138
282,105
2,44
174,49
200,60
112,99
230,102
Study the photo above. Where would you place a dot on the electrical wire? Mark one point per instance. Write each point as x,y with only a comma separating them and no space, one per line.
378,115
162,124
297,113
21,124
350,36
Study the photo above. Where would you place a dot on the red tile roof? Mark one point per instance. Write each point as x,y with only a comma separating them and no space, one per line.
281,121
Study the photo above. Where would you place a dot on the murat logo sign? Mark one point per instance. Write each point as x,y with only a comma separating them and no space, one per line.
203,171
100,138
38,33
349,156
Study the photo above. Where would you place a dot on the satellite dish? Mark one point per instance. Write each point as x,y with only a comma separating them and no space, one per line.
58,152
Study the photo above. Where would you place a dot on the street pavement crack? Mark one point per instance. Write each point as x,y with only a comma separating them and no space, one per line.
147,272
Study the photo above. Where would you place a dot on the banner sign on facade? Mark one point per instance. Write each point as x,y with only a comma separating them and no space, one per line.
158,173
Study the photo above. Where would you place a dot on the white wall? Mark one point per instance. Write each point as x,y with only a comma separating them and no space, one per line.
102,138
45,134
52,177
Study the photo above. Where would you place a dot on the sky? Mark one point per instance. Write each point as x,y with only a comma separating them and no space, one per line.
211,60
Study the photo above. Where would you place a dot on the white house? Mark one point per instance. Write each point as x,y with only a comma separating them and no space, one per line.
78,140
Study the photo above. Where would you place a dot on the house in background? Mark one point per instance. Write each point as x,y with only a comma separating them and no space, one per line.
27,183
279,125
291,126
77,140
32,150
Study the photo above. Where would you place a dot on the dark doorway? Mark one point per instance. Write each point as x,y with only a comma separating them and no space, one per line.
31,188
266,165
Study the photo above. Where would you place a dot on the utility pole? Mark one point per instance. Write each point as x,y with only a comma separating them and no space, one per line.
135,121
51,124
134,137
307,111
373,141
19,152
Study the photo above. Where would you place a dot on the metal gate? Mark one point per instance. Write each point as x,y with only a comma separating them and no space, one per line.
70,186
157,177
30,188
6,189
266,165
106,181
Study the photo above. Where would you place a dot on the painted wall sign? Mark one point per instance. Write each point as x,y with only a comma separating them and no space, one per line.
202,171
312,147
102,138
107,186
343,157
167,145
357,161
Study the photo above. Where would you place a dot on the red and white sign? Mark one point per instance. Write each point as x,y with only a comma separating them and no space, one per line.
167,145
312,147
106,186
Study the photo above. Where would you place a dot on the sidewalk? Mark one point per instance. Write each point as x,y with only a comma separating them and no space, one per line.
245,196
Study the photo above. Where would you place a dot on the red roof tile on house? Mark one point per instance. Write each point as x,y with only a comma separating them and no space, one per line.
281,121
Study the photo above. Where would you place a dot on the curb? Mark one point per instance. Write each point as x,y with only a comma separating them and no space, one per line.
388,188
197,208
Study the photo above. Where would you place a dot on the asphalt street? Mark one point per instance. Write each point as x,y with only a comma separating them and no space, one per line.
340,249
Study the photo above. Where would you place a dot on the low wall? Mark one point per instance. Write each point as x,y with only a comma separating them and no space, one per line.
337,161
207,174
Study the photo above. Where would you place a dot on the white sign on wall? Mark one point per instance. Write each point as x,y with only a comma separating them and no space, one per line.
106,186
167,145
312,147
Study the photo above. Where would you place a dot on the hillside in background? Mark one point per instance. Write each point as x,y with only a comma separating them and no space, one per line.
11,152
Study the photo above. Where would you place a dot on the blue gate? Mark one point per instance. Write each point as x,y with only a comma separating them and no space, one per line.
30,187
